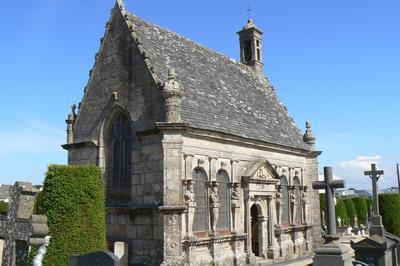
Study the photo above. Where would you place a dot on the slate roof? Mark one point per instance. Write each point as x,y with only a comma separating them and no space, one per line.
219,93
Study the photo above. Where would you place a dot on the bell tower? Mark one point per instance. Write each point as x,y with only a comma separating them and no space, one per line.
251,52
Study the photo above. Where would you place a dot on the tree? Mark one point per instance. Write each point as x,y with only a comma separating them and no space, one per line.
389,208
73,201
322,206
351,211
341,211
361,209
3,207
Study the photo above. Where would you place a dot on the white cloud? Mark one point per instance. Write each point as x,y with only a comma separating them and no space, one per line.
360,163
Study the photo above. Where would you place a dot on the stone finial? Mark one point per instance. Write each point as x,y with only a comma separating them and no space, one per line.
70,124
309,137
172,95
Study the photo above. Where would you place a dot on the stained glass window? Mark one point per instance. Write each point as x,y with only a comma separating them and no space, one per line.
224,197
119,156
200,221
296,184
285,201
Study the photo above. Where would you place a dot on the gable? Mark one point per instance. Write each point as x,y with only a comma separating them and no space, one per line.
219,94
119,68
262,170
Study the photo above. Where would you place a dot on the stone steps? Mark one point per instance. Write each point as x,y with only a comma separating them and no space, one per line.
305,261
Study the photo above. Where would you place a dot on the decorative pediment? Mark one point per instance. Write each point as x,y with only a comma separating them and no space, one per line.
374,241
261,170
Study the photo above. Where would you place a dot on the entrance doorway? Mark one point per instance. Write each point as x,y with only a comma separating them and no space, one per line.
255,245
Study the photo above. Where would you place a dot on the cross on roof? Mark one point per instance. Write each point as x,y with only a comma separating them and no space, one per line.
249,10
329,185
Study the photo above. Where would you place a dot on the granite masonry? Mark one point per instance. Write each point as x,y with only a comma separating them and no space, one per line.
202,163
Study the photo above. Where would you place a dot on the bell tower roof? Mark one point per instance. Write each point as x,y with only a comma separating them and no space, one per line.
251,52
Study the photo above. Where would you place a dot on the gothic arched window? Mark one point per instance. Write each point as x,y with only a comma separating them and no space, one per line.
285,201
119,167
200,221
298,215
224,198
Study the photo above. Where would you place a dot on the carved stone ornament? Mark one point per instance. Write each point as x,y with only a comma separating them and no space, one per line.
214,206
189,193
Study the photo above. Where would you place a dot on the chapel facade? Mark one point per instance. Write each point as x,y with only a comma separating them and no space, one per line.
202,163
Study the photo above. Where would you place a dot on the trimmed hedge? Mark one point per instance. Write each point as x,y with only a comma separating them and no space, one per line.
341,211
351,211
361,209
73,200
3,207
389,208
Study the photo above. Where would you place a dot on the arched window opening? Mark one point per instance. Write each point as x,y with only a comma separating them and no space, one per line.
224,197
297,191
119,163
200,220
285,201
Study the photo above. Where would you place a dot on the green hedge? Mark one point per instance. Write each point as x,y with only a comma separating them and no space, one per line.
389,208
341,212
351,211
73,200
361,209
3,207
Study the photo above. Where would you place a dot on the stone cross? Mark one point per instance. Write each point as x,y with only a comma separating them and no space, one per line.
374,174
376,227
329,185
19,225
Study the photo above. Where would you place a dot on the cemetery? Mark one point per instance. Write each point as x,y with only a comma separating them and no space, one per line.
179,155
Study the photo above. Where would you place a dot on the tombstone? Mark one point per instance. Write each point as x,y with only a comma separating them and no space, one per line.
121,251
20,228
332,252
100,258
377,249
339,221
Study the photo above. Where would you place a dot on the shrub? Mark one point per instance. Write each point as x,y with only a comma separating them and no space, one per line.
351,211
3,207
369,206
73,200
361,209
341,211
389,208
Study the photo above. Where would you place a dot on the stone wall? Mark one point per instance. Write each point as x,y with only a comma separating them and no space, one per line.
120,82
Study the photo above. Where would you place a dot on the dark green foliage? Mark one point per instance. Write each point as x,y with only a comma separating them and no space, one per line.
341,211
369,206
3,207
351,211
361,209
389,208
38,203
73,200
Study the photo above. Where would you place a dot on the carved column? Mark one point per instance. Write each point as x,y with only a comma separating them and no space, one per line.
305,205
263,232
235,203
172,96
70,125
248,224
292,202
189,197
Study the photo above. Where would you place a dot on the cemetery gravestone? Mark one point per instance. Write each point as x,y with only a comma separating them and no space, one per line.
377,249
332,252
101,258
19,225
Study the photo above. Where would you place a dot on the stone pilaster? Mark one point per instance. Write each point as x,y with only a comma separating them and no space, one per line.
173,207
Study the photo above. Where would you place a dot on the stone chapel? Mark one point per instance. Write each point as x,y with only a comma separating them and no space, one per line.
202,163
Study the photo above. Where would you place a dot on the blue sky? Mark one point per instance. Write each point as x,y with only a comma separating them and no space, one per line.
335,63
